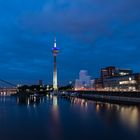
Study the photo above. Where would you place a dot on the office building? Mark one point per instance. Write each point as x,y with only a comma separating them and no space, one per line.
84,81
129,82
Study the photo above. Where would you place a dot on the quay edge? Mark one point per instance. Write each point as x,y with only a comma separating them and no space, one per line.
131,98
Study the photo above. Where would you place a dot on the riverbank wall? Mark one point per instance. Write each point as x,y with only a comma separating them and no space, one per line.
109,96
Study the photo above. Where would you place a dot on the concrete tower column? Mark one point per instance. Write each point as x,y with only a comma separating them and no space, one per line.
55,86
55,52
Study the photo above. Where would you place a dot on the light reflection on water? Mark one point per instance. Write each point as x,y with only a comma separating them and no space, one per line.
57,118
55,133
127,115
130,116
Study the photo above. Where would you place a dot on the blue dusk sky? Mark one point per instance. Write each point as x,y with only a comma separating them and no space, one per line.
90,34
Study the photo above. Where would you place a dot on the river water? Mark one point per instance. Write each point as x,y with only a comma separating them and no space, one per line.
55,118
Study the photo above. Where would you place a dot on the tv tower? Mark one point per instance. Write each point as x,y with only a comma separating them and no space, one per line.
55,52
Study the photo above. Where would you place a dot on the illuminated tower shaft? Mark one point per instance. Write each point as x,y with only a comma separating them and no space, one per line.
55,86
55,52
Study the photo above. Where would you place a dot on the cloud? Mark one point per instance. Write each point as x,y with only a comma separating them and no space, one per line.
90,34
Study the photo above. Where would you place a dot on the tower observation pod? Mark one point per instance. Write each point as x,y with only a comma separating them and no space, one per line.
55,52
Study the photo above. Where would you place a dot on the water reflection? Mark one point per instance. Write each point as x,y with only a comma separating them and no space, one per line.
128,116
29,100
55,112
83,104
69,118
55,130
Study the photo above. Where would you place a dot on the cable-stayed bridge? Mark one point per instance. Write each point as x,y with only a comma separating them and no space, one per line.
9,89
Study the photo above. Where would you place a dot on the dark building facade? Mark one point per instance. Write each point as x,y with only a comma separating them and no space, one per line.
107,72
122,72
98,83
40,83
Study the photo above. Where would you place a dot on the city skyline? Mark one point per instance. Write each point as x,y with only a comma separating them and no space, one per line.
69,69
96,39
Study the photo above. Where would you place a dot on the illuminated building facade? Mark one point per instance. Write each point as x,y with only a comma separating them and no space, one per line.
84,81
111,79
55,52
108,73
123,83
113,71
